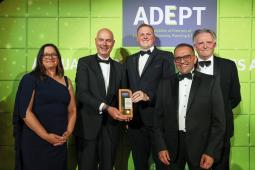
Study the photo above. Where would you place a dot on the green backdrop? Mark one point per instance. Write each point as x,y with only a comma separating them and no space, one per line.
71,24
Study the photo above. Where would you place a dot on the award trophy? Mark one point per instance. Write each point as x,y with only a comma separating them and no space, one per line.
125,102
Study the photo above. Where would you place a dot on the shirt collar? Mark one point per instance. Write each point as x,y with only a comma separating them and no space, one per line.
102,58
151,49
191,71
209,59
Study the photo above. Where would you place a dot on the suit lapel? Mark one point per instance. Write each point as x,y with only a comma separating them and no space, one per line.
175,92
136,64
112,82
99,76
194,86
216,66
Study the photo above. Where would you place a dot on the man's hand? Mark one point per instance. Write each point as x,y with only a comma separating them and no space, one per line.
139,96
206,161
164,157
116,115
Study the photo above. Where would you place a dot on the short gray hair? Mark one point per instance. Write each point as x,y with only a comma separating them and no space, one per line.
204,30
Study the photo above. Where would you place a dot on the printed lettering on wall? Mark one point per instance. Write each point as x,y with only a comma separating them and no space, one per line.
174,21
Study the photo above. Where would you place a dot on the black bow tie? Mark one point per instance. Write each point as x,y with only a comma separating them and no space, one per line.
103,61
145,52
182,76
204,63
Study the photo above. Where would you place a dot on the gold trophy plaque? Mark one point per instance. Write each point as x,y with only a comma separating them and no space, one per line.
125,102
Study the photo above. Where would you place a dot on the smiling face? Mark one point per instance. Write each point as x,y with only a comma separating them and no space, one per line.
184,59
204,44
50,58
104,42
145,37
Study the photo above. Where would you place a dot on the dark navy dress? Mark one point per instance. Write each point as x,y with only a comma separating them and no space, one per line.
50,107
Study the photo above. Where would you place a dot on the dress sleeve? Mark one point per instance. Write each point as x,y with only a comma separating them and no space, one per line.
23,96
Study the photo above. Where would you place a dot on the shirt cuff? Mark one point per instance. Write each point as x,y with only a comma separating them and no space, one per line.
101,108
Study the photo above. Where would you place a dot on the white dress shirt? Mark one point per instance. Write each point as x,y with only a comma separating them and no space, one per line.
206,69
184,91
142,61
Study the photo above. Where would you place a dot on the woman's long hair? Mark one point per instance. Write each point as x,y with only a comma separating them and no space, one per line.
40,70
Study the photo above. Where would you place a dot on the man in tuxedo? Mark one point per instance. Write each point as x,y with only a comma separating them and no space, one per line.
98,79
205,42
144,69
189,122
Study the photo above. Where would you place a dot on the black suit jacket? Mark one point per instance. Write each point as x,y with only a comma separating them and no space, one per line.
159,65
205,121
227,72
90,93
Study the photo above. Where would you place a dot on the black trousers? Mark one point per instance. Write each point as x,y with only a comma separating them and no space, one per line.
96,154
141,141
123,150
182,156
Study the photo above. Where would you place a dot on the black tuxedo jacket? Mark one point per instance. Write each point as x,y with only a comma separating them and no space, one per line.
227,72
90,93
159,65
205,121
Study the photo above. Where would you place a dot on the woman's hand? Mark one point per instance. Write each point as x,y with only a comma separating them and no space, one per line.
66,135
54,139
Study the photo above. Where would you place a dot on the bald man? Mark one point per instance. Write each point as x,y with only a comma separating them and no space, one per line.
98,79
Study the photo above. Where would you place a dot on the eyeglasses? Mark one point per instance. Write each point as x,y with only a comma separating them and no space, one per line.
186,58
48,56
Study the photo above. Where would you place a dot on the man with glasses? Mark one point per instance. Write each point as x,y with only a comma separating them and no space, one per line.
189,116
205,42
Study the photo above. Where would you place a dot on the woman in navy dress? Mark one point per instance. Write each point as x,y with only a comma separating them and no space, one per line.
44,114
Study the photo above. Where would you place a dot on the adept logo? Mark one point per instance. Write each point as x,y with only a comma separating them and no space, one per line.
168,15
174,21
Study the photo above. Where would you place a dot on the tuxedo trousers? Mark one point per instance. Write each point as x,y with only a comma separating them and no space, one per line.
98,153
182,156
141,141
